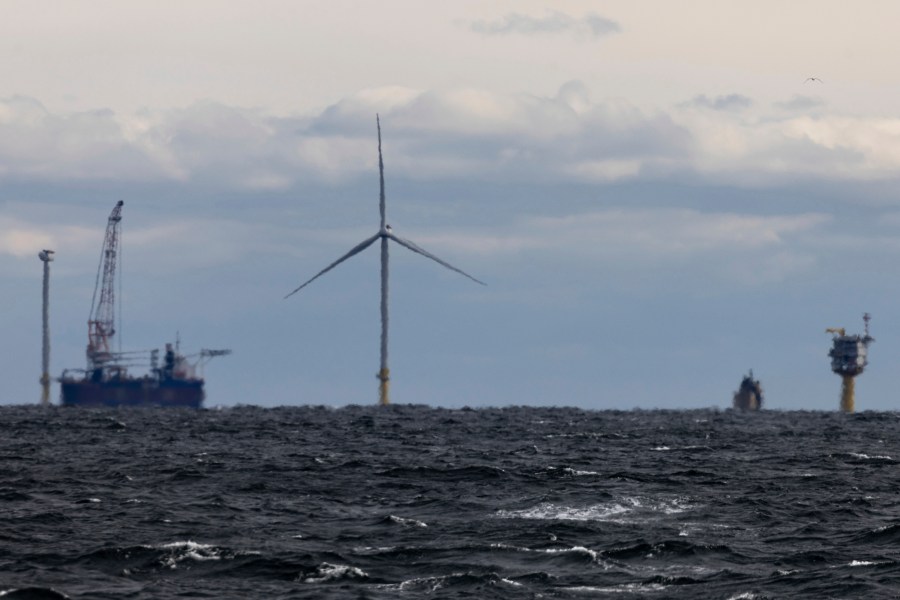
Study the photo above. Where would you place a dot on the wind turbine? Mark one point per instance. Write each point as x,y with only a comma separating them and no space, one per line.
384,234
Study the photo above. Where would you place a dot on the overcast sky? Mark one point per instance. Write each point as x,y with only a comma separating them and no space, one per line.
658,197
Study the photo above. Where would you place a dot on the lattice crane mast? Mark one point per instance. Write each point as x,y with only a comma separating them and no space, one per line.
101,325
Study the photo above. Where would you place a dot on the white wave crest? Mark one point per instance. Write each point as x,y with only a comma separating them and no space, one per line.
407,522
627,588
867,457
329,572
610,511
868,563
572,472
177,552
550,511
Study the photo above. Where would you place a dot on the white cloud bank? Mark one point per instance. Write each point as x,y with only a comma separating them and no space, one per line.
463,133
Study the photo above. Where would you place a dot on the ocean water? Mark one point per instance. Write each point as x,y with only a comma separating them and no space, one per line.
419,502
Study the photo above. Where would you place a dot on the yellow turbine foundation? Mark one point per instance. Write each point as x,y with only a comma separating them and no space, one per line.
847,398
384,376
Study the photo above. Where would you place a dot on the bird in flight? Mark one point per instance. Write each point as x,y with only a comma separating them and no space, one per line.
813,79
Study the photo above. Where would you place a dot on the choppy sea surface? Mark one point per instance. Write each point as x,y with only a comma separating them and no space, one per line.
419,502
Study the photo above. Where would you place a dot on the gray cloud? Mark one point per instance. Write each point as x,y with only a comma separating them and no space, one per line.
729,102
800,103
591,25
35,143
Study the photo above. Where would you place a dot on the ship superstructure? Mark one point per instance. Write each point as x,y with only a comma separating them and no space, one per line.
105,381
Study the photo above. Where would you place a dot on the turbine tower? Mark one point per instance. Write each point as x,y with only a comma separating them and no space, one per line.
384,234
46,256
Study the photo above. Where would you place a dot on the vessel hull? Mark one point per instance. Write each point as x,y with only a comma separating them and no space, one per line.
745,400
133,392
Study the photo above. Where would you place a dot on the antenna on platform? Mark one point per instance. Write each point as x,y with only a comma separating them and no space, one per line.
384,234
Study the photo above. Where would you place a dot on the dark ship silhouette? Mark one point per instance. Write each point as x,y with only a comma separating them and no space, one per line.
749,395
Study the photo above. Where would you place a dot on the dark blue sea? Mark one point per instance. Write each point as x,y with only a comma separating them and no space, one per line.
419,502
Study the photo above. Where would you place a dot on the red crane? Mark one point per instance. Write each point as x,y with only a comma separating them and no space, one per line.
101,325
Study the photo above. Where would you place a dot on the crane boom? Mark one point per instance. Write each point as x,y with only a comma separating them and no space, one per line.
101,324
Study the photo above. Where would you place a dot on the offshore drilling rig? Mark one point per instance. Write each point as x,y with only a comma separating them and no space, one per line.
849,357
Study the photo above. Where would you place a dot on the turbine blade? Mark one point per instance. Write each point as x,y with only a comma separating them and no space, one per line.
423,252
356,250
381,200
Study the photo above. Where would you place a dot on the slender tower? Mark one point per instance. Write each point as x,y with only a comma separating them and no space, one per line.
384,373
46,256
849,357
385,233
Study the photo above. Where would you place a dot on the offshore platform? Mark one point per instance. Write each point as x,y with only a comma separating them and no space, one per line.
849,357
